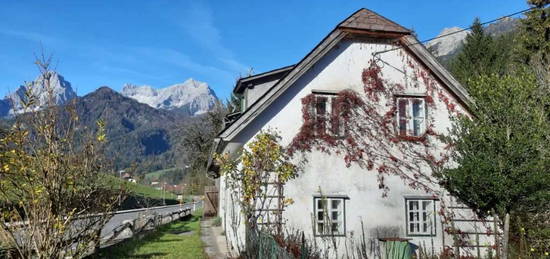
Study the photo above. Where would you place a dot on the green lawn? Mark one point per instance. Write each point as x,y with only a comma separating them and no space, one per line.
140,189
149,192
158,174
174,240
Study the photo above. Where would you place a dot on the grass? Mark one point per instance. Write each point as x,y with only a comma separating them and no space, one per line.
149,192
158,174
174,240
140,189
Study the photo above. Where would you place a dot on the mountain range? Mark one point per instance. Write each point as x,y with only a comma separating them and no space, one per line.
142,123
192,97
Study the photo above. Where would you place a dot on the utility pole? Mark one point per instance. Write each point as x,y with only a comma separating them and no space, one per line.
163,193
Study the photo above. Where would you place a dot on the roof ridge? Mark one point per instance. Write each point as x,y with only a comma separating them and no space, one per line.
350,17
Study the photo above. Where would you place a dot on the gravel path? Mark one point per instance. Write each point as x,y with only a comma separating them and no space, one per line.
215,245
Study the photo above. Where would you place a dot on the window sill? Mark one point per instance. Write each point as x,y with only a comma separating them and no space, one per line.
421,138
421,235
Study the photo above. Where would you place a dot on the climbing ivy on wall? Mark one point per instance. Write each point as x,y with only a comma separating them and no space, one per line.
372,140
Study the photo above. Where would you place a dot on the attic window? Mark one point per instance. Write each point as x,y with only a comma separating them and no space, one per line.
411,116
326,122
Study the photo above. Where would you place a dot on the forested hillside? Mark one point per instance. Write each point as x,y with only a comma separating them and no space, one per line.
138,135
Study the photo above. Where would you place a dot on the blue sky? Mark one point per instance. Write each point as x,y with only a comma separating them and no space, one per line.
163,42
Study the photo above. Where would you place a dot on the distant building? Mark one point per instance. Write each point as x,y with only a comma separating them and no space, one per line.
128,177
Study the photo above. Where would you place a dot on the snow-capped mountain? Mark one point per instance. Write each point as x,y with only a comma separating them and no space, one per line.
61,93
447,45
192,96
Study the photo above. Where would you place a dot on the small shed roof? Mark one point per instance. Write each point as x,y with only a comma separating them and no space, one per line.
275,73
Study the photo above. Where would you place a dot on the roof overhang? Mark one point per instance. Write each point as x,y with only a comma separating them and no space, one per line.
274,92
242,83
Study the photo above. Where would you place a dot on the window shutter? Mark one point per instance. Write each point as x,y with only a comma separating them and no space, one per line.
320,114
402,110
335,118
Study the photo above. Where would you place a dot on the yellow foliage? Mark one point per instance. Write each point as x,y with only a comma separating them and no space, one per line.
262,159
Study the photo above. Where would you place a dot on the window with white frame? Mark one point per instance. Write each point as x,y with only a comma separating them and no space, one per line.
323,108
411,116
329,216
420,217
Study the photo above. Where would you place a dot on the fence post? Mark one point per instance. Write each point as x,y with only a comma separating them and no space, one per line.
456,241
505,236
194,205
497,241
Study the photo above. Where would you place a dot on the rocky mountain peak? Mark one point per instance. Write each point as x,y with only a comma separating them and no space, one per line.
192,96
449,44
48,87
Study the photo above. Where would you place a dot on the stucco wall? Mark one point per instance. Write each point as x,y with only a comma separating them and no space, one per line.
254,93
366,210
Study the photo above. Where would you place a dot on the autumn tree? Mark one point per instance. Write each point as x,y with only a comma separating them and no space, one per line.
54,200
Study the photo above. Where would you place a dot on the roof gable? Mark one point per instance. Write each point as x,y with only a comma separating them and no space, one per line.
365,19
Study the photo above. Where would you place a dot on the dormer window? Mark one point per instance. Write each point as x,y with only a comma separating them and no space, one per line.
326,121
411,116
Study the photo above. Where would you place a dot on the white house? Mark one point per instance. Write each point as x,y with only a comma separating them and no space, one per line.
358,202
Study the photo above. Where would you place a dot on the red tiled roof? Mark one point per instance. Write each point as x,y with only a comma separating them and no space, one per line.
365,19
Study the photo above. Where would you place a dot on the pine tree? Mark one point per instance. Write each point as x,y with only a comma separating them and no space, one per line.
479,56
535,33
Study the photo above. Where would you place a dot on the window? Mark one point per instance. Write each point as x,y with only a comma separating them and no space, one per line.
420,217
411,116
323,109
329,216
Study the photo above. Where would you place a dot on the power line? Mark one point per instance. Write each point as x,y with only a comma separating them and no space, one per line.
455,32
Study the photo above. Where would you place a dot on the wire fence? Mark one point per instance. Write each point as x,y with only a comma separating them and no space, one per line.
263,245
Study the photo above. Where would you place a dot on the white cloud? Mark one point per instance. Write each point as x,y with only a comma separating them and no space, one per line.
182,60
29,35
199,25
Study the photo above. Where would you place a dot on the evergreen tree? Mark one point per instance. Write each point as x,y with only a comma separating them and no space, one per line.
535,33
479,56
